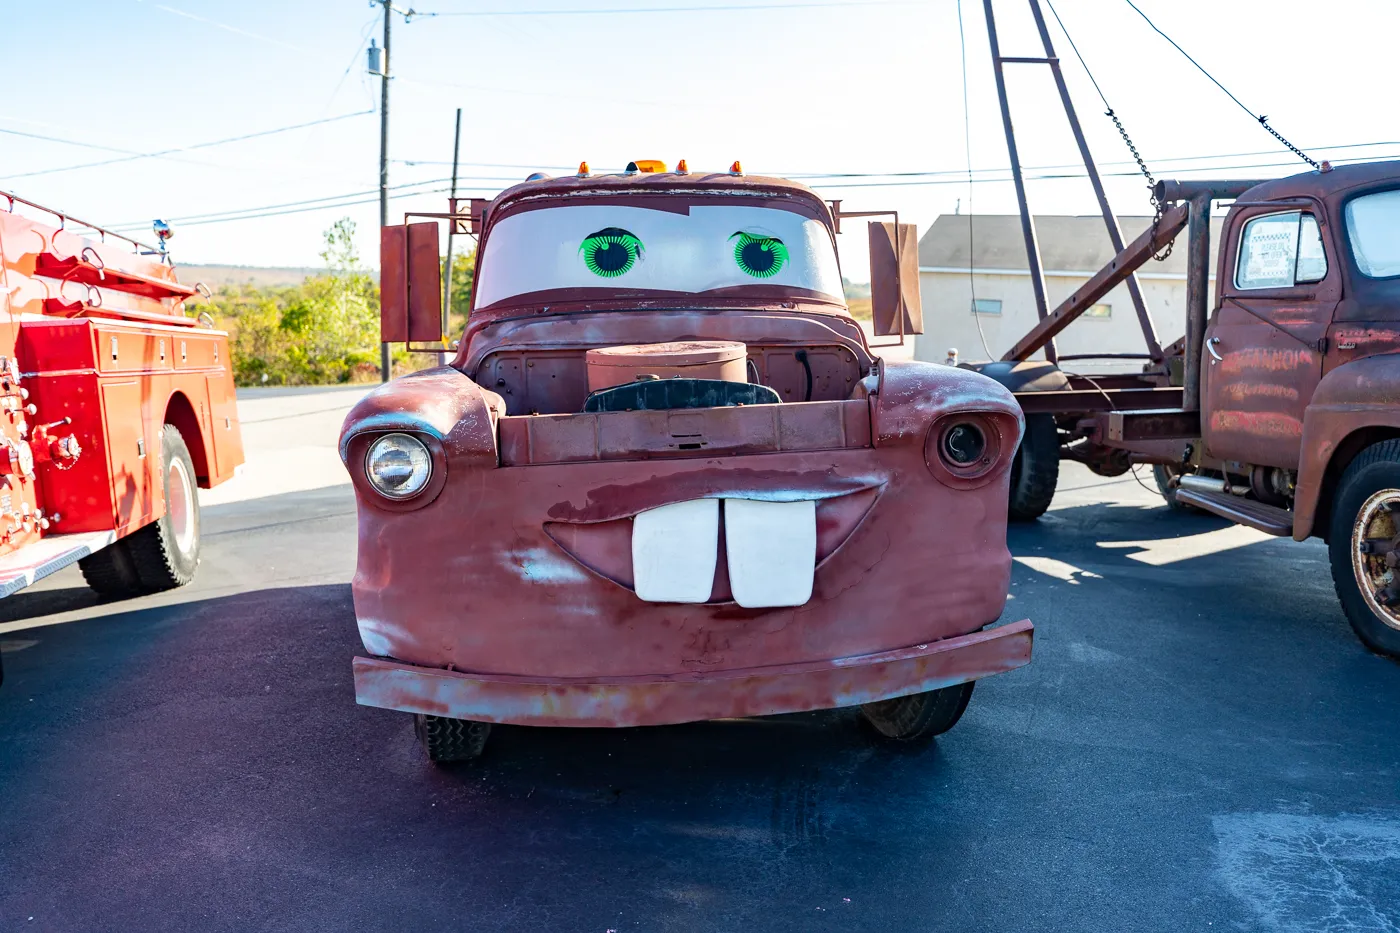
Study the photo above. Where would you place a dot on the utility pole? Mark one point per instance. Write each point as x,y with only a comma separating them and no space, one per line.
451,229
384,361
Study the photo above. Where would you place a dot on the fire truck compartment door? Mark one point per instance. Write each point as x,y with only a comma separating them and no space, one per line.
130,454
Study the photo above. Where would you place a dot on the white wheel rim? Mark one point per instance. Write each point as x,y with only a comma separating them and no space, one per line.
1375,521
180,506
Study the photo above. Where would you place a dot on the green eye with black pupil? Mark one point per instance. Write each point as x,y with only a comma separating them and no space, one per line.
610,252
759,256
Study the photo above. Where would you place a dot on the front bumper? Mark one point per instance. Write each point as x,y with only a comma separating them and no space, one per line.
690,697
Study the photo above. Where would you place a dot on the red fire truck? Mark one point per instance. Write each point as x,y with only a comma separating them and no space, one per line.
114,404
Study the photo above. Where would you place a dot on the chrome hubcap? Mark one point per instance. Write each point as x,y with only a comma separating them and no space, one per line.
181,506
1375,554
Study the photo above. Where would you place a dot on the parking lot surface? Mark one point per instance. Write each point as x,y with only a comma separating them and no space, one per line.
1199,743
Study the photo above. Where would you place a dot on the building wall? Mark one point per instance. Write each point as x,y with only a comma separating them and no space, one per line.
948,320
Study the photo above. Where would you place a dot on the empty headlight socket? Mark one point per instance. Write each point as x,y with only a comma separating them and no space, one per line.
957,433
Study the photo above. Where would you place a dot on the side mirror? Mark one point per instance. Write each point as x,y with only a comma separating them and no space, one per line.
410,284
894,279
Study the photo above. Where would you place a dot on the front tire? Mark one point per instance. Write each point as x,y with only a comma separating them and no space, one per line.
447,739
1364,546
917,718
165,553
1036,469
110,572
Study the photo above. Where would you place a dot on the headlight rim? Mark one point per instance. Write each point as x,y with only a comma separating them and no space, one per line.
357,450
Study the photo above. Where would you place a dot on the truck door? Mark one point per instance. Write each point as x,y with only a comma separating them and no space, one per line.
1263,353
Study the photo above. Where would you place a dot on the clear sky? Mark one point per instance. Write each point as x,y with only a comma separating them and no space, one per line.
854,87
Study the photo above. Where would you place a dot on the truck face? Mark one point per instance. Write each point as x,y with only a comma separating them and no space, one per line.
794,526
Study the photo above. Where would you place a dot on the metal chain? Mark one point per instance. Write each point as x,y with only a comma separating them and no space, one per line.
1157,207
1264,122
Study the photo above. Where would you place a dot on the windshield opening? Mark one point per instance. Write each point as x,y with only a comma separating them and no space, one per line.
1373,227
613,248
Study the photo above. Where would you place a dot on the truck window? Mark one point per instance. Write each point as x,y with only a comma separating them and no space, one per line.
1280,251
1373,227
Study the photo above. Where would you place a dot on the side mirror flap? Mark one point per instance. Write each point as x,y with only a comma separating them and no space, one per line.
410,284
894,279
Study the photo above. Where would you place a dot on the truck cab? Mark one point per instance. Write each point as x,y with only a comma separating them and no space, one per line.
1300,380
665,478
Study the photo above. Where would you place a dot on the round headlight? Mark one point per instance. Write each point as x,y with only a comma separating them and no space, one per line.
963,444
398,466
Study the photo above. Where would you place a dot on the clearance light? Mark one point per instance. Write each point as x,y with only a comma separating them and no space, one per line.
650,166
631,169
398,466
736,168
682,168
583,170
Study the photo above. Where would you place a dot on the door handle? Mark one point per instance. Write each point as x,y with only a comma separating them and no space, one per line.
1210,348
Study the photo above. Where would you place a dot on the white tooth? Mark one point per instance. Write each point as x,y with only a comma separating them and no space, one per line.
772,548
674,550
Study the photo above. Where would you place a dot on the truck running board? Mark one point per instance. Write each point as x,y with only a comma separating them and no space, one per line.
1269,519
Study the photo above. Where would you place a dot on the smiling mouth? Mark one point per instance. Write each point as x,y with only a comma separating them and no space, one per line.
756,553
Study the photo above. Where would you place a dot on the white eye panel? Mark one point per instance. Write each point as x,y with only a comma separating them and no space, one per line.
539,250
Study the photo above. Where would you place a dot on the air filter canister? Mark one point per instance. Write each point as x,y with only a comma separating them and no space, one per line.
687,359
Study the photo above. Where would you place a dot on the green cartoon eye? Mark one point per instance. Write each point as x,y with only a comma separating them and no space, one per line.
759,256
610,252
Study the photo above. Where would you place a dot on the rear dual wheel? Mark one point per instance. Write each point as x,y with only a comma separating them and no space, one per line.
163,554
1036,469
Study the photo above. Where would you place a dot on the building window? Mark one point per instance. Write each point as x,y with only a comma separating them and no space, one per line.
986,306
1100,311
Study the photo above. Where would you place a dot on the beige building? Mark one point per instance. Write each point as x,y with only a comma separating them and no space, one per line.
993,270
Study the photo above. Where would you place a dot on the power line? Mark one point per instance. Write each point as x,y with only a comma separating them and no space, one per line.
168,152
1263,120
414,189
673,9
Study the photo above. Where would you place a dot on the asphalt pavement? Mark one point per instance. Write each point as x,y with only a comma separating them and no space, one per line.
1200,743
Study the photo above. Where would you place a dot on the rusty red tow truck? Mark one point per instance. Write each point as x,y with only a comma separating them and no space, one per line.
1280,407
665,479
114,405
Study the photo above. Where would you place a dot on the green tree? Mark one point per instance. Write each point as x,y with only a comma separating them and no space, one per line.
325,330
463,276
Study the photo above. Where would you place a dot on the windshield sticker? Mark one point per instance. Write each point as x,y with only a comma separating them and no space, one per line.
760,256
610,252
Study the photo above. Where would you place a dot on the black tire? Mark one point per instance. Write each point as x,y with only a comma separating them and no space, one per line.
919,717
1362,492
447,739
1036,469
111,573
166,552
1164,474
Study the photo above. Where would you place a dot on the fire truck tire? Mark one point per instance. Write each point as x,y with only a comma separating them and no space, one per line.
447,739
111,573
1366,507
917,718
1036,469
166,552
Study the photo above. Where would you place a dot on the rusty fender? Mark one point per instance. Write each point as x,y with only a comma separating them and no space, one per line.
1362,394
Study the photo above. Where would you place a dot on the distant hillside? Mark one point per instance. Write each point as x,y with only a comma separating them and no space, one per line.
257,276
